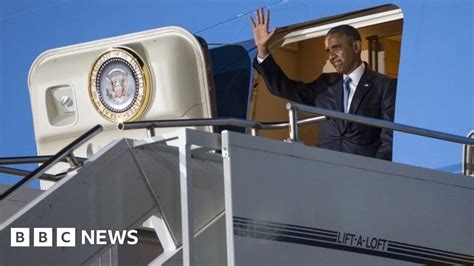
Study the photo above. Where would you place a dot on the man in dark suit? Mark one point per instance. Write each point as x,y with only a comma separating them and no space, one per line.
354,89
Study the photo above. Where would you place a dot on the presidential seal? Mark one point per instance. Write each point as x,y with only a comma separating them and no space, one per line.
119,85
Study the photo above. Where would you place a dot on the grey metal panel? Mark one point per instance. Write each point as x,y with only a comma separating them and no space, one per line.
19,200
273,183
208,186
299,150
263,252
209,249
107,258
210,244
108,193
147,249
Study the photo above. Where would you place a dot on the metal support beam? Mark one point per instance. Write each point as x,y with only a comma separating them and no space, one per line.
186,182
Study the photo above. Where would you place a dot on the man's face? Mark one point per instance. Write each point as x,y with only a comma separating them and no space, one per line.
343,54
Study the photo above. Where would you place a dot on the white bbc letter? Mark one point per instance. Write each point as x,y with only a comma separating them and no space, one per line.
89,237
117,236
66,237
20,237
132,237
101,237
43,237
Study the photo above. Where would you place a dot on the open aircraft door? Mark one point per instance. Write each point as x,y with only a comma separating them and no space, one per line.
156,74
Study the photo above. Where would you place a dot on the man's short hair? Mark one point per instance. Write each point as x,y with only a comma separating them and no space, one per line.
347,31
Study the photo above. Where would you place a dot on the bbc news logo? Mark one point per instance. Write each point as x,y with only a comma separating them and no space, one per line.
66,237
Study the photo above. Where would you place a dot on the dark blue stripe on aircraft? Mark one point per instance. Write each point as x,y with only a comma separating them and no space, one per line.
430,250
277,227
288,226
273,234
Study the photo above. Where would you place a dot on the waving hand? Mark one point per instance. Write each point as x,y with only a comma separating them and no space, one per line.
261,35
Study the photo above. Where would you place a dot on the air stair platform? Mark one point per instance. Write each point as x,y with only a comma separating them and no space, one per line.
236,199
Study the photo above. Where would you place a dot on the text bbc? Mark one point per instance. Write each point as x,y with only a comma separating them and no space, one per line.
66,237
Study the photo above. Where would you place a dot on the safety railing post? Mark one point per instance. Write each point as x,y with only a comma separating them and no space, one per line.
293,120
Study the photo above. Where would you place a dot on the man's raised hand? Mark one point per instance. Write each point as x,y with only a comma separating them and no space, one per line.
261,35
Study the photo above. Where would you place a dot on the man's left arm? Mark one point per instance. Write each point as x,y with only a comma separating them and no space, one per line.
388,113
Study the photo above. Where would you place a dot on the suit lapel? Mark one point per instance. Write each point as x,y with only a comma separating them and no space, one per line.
338,95
364,86
338,102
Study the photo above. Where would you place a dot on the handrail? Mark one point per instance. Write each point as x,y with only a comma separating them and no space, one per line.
236,122
284,124
31,159
66,152
21,172
378,123
293,108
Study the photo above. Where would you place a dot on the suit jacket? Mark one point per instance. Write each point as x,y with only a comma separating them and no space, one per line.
374,97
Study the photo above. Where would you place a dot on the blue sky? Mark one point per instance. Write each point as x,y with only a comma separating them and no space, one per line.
30,27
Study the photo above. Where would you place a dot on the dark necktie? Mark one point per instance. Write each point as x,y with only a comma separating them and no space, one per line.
347,90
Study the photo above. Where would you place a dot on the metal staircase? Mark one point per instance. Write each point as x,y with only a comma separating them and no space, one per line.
237,199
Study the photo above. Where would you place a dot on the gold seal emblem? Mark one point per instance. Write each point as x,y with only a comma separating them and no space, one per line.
119,85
